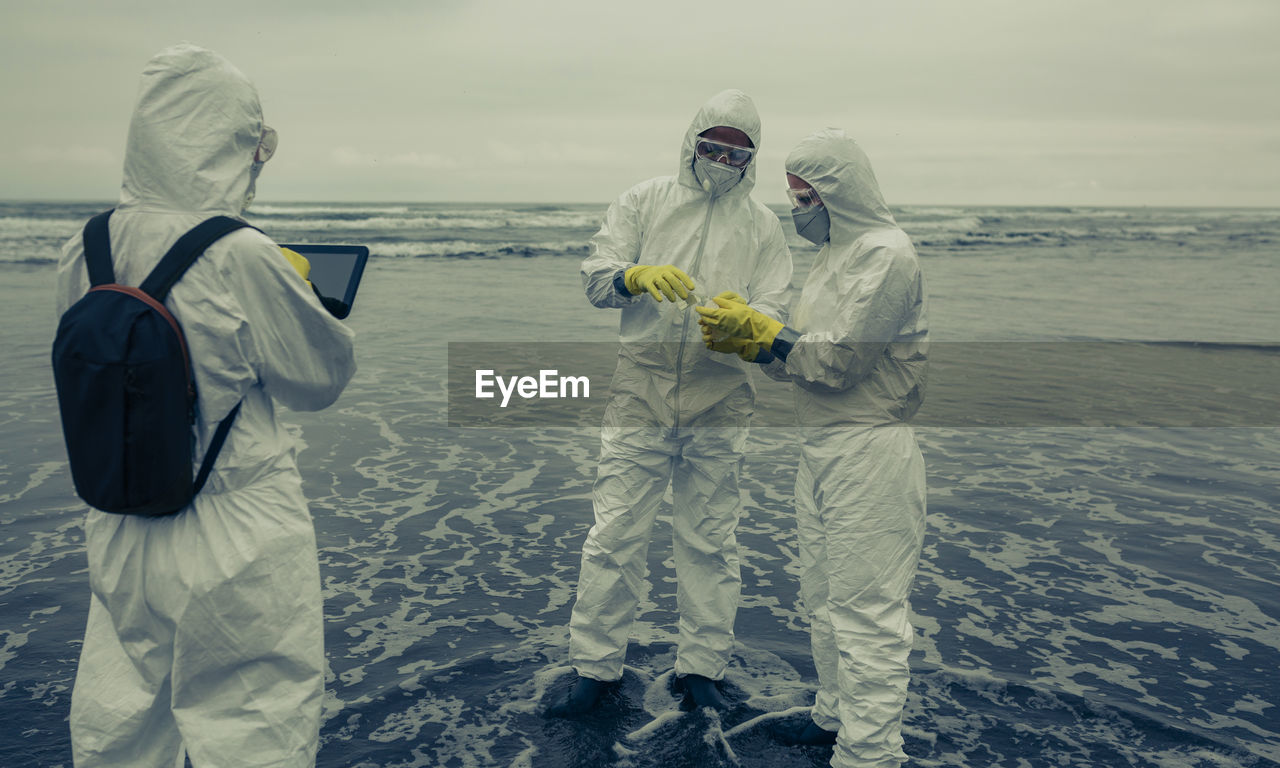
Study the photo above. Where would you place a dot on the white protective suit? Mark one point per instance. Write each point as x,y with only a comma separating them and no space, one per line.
677,413
205,627
859,367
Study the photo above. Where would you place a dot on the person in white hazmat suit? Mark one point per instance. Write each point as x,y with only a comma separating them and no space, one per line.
205,627
678,414
856,351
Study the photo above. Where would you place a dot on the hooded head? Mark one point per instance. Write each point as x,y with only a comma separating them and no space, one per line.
731,109
195,129
835,166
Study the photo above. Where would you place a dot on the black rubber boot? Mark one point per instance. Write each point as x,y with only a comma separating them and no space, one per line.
582,699
704,692
808,735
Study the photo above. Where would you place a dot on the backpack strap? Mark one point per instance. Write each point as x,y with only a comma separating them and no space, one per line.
185,252
173,265
97,249
215,445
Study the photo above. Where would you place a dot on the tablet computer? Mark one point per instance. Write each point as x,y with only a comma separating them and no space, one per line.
335,272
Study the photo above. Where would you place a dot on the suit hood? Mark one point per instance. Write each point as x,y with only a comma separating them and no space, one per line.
731,108
193,135
833,164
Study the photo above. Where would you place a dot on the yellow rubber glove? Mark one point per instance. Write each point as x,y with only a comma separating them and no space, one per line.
660,281
747,350
715,335
732,318
300,263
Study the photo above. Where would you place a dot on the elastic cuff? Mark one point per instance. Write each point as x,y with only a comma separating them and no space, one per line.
784,341
620,284
763,357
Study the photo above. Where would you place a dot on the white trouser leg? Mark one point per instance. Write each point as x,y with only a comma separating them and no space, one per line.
118,718
813,593
872,509
634,471
709,584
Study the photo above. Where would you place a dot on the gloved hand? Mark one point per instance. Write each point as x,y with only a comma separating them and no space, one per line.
299,262
660,281
732,318
719,335
336,307
747,350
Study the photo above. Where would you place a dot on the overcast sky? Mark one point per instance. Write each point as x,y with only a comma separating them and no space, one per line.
1090,102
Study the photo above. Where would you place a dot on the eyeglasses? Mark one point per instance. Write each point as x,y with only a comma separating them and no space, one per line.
715,150
803,199
266,145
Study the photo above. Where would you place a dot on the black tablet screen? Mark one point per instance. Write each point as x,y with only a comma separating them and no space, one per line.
335,269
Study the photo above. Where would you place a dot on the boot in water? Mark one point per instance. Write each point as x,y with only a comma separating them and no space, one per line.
810,734
704,692
581,700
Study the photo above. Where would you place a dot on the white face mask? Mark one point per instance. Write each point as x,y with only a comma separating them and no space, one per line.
716,178
813,225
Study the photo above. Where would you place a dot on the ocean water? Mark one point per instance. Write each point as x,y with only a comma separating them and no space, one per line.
1102,595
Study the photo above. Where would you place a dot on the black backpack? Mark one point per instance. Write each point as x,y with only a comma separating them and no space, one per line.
125,385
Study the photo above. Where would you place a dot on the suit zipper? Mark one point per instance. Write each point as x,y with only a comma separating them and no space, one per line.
688,310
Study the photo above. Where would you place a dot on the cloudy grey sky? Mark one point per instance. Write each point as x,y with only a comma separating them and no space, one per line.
1091,102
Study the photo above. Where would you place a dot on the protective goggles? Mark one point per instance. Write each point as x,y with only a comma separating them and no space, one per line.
266,145
803,199
734,155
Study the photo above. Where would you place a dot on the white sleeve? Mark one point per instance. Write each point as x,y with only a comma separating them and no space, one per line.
769,287
614,248
868,316
303,356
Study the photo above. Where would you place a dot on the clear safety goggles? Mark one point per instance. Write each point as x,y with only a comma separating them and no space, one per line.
803,199
266,145
734,155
